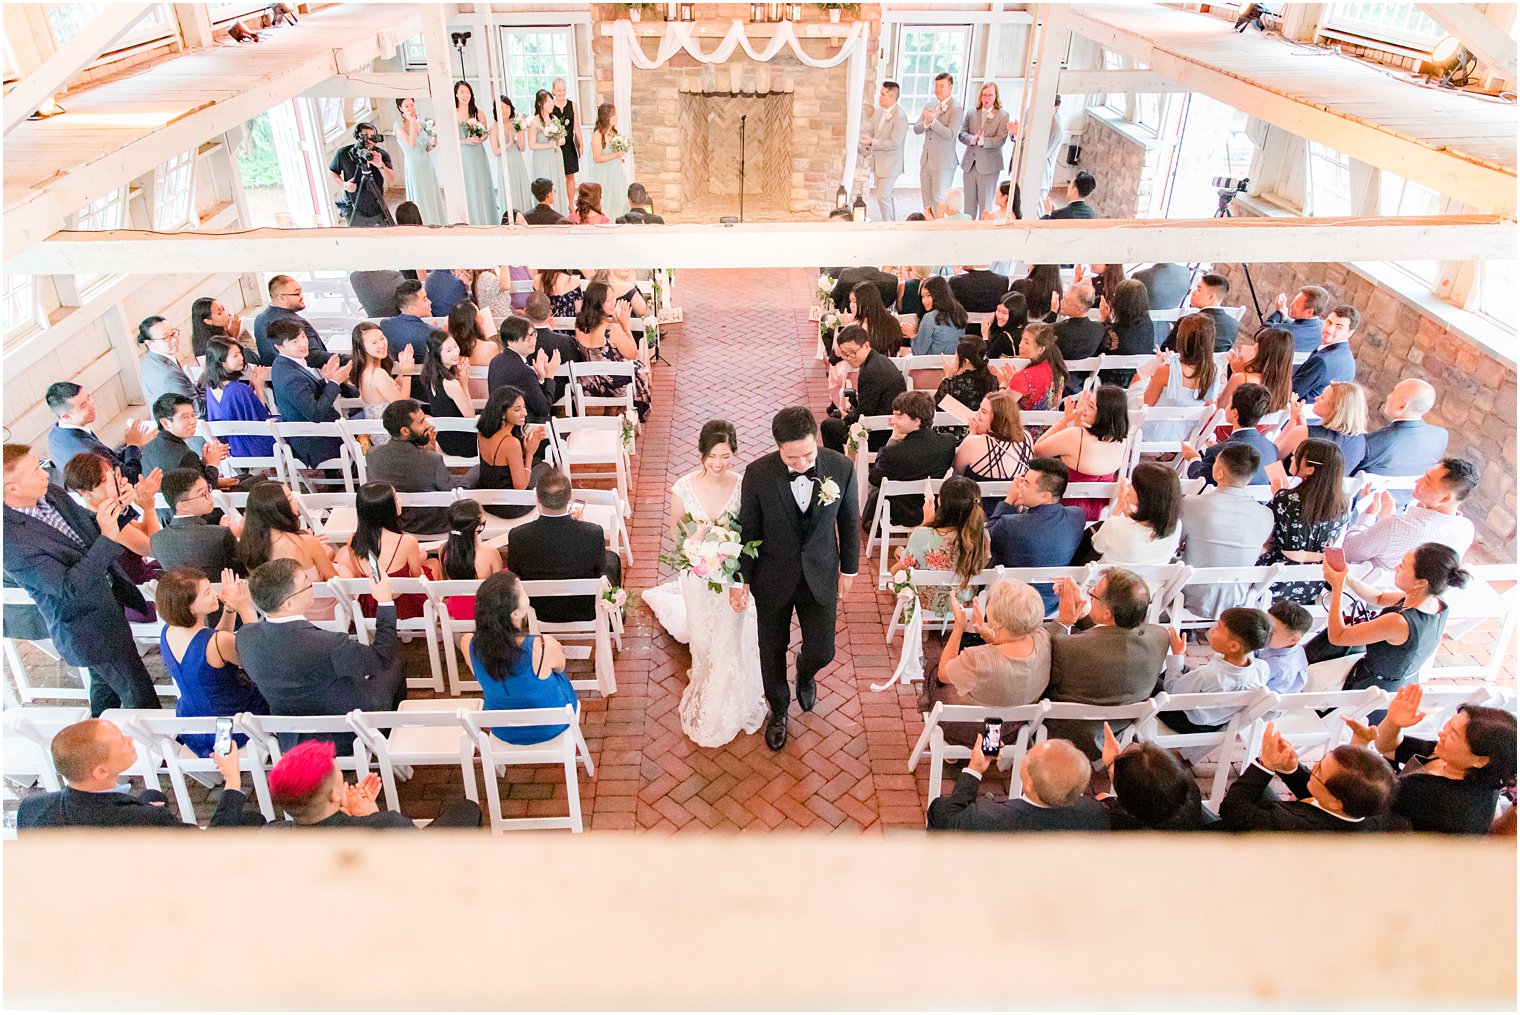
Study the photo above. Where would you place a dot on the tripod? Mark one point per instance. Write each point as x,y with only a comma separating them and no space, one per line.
742,118
1223,212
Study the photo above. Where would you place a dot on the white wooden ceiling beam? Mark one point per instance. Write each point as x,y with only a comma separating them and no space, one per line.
1103,82
371,85
1491,44
58,70
780,245
1485,187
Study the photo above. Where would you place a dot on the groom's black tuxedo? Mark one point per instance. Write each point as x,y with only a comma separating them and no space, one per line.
802,554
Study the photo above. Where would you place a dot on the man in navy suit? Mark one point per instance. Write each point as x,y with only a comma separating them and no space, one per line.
408,328
66,561
1247,406
305,395
1053,779
1408,445
1303,318
522,365
71,435
1332,361
1032,528
1077,192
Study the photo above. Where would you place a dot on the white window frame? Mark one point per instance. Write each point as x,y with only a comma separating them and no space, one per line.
234,11
1485,308
173,183
913,101
1339,18
156,25
511,79
22,289
1316,154
104,213
324,110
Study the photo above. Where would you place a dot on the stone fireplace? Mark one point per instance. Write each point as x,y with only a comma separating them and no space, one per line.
709,123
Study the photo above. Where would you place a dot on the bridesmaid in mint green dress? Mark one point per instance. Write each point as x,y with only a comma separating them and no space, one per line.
607,167
480,194
508,143
545,158
421,183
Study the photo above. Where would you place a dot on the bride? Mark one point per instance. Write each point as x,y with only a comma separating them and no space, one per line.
724,696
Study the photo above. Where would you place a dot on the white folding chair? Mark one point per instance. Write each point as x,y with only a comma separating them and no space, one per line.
1135,715
297,472
933,736
26,691
150,764
594,445
426,625
454,424
588,638
264,732
29,734
420,732
496,754
222,429
882,530
1252,587
580,373
1298,719
498,528
452,629
1238,731
163,733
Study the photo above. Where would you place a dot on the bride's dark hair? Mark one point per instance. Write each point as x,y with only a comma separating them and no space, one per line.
715,432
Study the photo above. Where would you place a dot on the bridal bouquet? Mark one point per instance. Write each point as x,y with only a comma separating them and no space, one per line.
621,143
555,132
474,128
710,551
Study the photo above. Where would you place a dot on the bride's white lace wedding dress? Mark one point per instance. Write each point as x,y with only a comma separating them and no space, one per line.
724,697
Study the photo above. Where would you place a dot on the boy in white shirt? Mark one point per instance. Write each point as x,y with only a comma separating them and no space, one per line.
1236,637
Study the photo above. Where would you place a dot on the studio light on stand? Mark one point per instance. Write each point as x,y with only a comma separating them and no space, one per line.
1453,62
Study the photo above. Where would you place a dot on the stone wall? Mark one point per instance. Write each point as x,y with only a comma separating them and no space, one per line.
1117,162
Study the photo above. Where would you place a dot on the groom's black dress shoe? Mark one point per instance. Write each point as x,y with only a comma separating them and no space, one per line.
807,694
775,731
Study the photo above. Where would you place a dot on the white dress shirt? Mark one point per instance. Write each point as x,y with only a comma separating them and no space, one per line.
802,492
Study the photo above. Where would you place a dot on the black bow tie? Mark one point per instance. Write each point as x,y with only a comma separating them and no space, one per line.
794,476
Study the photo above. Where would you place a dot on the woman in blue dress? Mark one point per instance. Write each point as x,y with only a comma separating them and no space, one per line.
546,160
480,193
230,397
508,143
515,669
203,661
1342,412
421,182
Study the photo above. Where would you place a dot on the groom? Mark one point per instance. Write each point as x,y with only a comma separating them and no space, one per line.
801,502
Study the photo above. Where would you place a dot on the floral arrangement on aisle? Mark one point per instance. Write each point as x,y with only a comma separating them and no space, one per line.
555,132
711,552
857,436
828,325
901,586
620,143
630,427
651,334
616,595
825,295
474,128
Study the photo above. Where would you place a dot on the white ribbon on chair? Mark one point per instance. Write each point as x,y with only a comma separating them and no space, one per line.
910,665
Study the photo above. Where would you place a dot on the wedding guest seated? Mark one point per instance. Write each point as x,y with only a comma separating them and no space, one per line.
1382,536
587,209
1451,784
1010,667
1128,329
967,379
203,661
1006,329
443,384
376,291
1342,411
516,669
1089,441
602,335
476,349
1333,360
523,366
170,448
549,341
1408,445
1349,790
847,279
410,462
1405,633
91,757
189,540
1039,384
1145,525
1247,406
998,448
1235,638
870,313
508,448
1224,526
952,537
209,319
944,320
1042,290
563,289
953,207
463,557
915,451
1188,379
1054,781
1079,336
1207,298
878,384
909,292
1152,789
1032,528
496,291
978,289
380,379
1166,284
446,288
1287,664
159,371
91,482
557,547
307,784
1303,318
234,392
1077,192
1110,656
272,530
1267,361
640,207
1306,518
306,395
379,540
301,669
543,213
71,435
286,300
408,330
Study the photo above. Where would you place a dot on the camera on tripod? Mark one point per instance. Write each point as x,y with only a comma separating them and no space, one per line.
367,142
1229,183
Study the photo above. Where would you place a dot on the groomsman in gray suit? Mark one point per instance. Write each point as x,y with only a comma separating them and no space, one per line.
984,132
885,144
938,125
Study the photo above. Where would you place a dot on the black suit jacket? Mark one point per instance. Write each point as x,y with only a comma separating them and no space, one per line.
64,442
544,215
638,217
507,367
81,592
168,452
849,278
878,384
73,808
379,819
558,548
1075,210
1225,330
301,669
1079,337
962,811
191,541
979,290
922,454
303,398
817,546
551,342
1247,808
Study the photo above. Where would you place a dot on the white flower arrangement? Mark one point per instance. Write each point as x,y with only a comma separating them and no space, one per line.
858,434
825,295
430,126
474,128
555,132
630,427
620,143
906,592
711,552
616,595
828,492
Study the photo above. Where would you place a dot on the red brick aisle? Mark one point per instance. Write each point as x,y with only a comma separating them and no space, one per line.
745,350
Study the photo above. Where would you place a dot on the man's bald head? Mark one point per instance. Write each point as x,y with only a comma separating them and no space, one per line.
1055,773
80,750
1411,399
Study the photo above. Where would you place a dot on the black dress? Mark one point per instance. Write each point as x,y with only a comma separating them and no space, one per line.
572,157
1434,803
499,477
440,405
1386,666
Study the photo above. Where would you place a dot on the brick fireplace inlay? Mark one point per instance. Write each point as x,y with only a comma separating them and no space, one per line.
710,132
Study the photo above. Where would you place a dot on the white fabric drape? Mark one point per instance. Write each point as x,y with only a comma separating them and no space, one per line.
681,36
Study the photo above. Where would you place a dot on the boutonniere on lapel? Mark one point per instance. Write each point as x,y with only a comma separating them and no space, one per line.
828,492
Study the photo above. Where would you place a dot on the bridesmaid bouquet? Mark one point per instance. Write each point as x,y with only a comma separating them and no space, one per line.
520,122
474,128
555,132
430,126
710,551
621,144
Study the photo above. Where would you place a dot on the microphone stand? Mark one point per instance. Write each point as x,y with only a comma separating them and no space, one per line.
742,119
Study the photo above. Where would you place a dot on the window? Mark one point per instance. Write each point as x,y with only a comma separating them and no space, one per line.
68,20
1398,196
1499,292
331,117
21,304
535,57
108,212
1329,191
174,192
922,52
1148,110
1117,101
235,9
1213,143
414,53
1400,23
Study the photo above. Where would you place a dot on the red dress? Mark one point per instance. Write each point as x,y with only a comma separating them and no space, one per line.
1092,507
408,605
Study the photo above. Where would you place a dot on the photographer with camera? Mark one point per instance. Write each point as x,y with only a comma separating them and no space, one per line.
364,170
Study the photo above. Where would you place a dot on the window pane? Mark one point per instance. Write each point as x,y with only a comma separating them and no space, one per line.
1398,196
67,20
1213,143
535,57
109,212
171,199
1498,294
332,117
1389,22
20,303
1329,181
922,52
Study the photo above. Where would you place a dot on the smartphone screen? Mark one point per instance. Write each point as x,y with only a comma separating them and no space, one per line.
374,565
992,736
223,744
578,509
